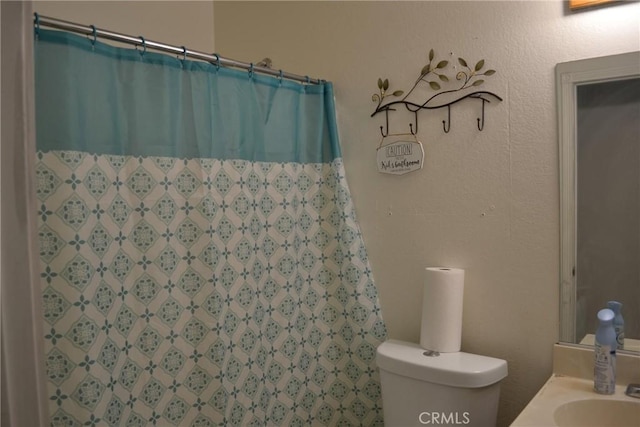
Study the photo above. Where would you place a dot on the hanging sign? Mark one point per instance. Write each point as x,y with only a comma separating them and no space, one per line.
400,157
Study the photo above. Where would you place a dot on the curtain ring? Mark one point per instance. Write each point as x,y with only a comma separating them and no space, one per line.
144,45
217,61
251,70
308,80
280,77
93,33
184,53
37,23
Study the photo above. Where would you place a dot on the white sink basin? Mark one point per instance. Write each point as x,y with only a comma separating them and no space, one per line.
598,412
571,402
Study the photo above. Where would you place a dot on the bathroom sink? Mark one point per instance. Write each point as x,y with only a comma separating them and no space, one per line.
568,398
598,412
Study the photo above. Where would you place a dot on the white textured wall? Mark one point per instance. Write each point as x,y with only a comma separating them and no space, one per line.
485,201
181,23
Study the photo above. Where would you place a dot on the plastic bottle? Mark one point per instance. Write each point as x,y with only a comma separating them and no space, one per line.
604,372
618,322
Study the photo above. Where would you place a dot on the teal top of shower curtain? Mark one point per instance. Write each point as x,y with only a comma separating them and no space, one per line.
169,107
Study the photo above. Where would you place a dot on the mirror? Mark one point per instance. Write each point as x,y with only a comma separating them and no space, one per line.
599,131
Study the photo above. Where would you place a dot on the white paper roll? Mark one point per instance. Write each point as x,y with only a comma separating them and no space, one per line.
441,328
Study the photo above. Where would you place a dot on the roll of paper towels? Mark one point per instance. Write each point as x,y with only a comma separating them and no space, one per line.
441,328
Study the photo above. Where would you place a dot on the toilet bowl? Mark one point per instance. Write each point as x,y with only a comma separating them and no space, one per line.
451,389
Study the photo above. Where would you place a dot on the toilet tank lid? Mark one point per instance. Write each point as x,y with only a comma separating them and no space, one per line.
453,369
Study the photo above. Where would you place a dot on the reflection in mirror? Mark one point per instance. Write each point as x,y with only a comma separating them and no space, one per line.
599,120
608,203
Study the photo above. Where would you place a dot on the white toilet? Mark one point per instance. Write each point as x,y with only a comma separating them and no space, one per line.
458,389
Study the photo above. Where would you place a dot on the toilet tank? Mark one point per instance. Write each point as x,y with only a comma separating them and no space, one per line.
452,389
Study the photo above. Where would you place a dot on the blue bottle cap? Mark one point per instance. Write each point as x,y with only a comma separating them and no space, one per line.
614,305
605,315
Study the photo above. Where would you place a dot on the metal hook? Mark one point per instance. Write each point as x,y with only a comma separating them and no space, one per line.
217,61
386,116
251,70
411,125
446,125
280,76
184,53
481,123
144,45
308,80
93,32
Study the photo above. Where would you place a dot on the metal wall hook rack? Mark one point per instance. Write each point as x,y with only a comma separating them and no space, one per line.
469,78
483,96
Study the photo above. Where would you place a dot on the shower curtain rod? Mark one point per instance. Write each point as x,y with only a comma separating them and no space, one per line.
90,30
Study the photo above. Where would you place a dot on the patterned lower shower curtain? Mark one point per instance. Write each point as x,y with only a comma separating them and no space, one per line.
201,260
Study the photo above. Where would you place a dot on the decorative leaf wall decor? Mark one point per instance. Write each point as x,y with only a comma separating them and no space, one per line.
434,75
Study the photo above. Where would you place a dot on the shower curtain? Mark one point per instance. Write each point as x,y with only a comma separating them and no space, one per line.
201,263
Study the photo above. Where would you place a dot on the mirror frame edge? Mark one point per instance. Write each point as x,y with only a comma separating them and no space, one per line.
566,135
569,75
